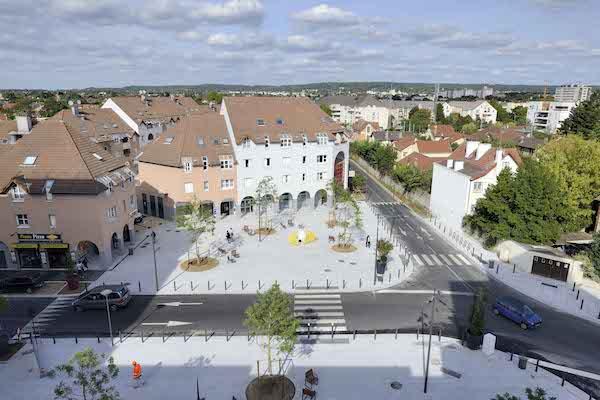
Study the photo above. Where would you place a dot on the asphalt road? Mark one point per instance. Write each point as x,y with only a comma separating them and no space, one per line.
20,310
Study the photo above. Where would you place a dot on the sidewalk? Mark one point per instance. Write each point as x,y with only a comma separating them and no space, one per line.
349,369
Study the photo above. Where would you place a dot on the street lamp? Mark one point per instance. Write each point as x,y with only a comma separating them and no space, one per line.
106,293
154,255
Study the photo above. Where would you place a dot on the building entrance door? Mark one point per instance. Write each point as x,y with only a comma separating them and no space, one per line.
161,210
153,206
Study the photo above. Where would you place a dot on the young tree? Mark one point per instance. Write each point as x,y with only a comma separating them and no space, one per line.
420,118
326,109
198,220
409,176
519,115
439,114
359,182
265,195
348,216
86,378
502,114
271,320
537,394
584,119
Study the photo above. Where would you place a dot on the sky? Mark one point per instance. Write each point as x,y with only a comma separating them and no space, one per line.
111,43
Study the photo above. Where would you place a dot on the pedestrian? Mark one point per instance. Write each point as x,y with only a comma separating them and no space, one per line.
228,236
79,267
368,241
137,374
85,263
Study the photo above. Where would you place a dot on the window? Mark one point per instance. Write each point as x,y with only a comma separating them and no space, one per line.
206,186
200,141
321,158
267,162
187,165
17,193
260,122
189,187
168,140
216,140
226,162
30,160
111,212
248,182
246,163
285,179
267,141
22,221
204,162
286,161
286,141
225,141
321,176
226,184
303,177
279,121
505,164
52,221
246,143
322,138
303,159
477,187
132,201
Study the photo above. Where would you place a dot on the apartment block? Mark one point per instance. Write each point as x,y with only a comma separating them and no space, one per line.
572,93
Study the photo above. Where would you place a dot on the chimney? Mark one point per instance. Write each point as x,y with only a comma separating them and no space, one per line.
499,156
75,107
482,149
471,147
143,98
212,106
449,163
459,165
23,124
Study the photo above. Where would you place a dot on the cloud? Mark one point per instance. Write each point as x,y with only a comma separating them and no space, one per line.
307,43
324,14
242,40
454,38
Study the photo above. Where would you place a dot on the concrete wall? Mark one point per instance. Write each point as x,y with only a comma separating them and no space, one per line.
449,195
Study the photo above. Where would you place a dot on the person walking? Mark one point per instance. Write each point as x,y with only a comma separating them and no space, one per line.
368,242
137,374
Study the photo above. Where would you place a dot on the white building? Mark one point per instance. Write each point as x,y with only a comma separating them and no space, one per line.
459,182
480,109
572,93
289,139
548,116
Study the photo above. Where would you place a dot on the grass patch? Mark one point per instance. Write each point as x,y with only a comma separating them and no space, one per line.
343,248
195,265
12,349
266,231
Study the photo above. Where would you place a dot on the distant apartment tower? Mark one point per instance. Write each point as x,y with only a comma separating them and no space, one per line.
573,93
548,116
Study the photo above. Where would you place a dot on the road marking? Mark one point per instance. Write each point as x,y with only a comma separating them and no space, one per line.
427,260
454,259
417,259
434,258
317,307
464,259
321,311
444,292
318,301
321,296
446,259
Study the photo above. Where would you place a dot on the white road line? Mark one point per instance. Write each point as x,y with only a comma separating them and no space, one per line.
444,292
322,328
434,258
319,321
455,260
317,308
328,314
446,260
467,262
417,259
427,260
320,296
318,301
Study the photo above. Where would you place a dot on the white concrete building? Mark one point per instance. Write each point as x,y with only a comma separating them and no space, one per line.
480,109
290,140
459,182
548,116
575,93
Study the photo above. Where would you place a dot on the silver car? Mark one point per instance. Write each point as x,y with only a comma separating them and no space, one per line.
94,299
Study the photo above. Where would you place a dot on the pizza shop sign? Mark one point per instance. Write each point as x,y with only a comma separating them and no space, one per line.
39,237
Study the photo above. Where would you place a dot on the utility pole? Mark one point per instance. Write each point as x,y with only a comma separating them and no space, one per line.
435,99
154,256
375,266
429,345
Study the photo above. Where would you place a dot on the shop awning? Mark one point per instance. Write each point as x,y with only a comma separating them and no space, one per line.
24,245
54,245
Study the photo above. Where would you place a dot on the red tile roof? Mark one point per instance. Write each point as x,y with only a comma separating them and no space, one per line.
434,146
478,168
361,124
420,161
403,142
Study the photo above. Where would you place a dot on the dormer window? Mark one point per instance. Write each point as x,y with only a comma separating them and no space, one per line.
98,157
169,140
322,139
17,193
267,141
225,141
246,143
286,141
260,122
29,160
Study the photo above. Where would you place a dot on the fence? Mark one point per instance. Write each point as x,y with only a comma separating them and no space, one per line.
419,197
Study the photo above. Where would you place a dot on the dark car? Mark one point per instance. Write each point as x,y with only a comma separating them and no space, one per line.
118,297
22,282
517,311
138,218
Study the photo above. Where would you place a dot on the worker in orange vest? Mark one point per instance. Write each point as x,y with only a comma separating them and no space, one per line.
137,374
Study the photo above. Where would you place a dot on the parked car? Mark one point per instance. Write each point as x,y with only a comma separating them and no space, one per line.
94,299
22,282
138,218
517,311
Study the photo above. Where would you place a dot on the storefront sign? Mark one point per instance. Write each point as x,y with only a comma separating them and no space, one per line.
54,245
24,245
39,237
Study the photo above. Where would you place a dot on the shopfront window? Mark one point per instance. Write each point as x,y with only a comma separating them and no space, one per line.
30,258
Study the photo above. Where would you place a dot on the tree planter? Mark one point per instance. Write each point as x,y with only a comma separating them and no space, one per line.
474,342
381,266
72,282
271,387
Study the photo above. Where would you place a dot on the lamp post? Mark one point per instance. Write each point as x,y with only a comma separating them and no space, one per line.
376,241
106,293
154,256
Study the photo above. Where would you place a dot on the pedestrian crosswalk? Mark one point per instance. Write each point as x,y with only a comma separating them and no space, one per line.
49,314
319,311
433,260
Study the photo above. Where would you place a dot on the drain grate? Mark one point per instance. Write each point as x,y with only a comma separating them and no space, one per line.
396,385
327,270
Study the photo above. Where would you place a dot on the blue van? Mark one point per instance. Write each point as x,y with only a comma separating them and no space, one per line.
518,312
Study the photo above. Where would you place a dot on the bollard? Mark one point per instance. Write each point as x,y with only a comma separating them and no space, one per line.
308,331
537,364
259,285
574,283
327,283
293,284
399,273
375,334
332,330
562,383
120,337
417,333
581,307
354,335
76,339
225,284
139,286
396,334
497,268
206,335
174,286
360,282
344,285
577,298
514,268
54,340
307,285
390,278
511,356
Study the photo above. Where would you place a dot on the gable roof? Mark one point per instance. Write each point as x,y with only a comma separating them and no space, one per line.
420,161
481,167
404,142
434,146
184,140
61,152
467,105
7,127
157,108
298,115
99,124
361,124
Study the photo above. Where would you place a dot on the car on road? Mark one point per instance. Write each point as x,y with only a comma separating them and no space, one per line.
138,218
22,282
119,297
517,311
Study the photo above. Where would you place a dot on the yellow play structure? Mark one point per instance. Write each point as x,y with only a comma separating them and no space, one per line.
301,237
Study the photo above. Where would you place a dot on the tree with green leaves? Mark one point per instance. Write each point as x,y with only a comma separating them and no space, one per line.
501,114
594,257
537,394
409,176
264,197
359,182
214,96
271,320
326,109
584,119
86,378
469,128
575,163
457,121
419,118
477,320
440,118
198,220
519,115
348,215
